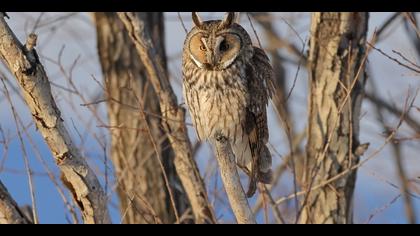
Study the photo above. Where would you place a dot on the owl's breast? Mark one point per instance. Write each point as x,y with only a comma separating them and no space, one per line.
217,103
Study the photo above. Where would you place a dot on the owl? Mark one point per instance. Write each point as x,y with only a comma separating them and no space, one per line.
227,83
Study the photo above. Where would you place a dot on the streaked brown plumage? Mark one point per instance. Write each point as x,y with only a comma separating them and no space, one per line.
227,84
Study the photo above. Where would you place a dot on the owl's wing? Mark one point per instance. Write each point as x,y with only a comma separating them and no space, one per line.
260,88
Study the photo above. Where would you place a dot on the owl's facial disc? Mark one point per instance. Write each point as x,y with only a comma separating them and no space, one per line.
215,52
228,47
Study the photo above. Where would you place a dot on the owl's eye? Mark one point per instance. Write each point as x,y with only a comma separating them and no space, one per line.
202,47
224,46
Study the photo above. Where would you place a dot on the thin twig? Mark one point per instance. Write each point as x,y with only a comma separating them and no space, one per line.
25,155
389,139
393,59
182,23
386,206
255,32
77,175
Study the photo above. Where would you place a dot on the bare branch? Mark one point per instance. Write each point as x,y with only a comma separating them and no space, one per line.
230,177
397,151
394,59
24,64
409,120
173,117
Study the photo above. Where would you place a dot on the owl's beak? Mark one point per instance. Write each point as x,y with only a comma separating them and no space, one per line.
212,60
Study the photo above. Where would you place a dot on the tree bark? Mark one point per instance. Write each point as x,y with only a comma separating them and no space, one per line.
173,117
336,70
79,178
133,153
231,181
10,213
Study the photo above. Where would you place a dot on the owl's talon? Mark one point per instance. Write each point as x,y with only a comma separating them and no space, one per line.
220,138
252,188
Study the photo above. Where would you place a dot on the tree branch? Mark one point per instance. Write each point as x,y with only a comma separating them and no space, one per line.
10,212
230,177
24,64
173,117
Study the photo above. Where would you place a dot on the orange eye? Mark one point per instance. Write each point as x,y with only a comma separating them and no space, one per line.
202,48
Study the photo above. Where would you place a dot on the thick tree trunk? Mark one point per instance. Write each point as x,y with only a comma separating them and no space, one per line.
336,70
135,151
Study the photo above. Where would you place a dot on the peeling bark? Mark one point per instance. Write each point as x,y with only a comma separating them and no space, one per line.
23,63
132,151
336,57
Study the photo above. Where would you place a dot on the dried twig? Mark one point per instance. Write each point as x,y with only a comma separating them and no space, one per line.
394,59
408,119
379,210
396,147
25,155
182,23
407,106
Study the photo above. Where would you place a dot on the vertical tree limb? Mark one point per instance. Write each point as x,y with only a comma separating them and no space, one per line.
132,151
337,56
80,179
173,120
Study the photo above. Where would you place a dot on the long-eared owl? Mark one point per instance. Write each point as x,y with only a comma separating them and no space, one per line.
227,83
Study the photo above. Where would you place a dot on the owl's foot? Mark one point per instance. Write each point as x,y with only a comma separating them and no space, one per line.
220,137
252,187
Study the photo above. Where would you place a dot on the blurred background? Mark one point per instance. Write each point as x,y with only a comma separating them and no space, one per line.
71,37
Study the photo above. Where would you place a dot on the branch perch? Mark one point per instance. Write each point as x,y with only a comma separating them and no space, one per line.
230,177
78,177
173,120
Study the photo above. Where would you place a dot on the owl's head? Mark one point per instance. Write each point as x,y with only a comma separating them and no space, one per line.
217,44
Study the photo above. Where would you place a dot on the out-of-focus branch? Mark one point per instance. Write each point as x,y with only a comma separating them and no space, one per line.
396,147
279,98
413,30
409,120
277,41
173,117
385,25
80,179
10,212
232,183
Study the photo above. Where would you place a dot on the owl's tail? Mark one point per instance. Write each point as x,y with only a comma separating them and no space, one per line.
260,168
265,174
255,162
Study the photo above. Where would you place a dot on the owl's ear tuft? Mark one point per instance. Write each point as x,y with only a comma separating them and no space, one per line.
196,19
229,19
